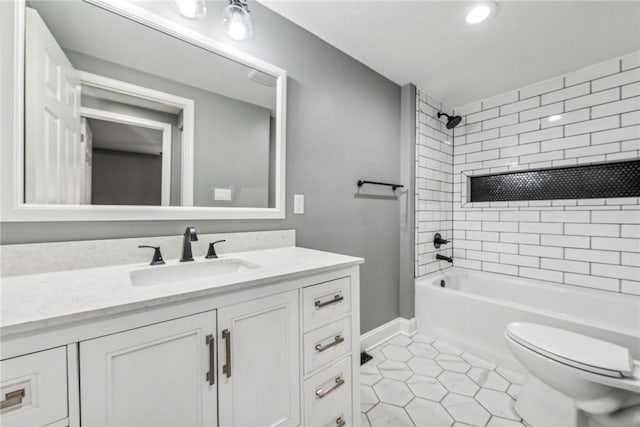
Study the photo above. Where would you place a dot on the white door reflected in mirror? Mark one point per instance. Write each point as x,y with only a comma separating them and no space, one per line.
54,167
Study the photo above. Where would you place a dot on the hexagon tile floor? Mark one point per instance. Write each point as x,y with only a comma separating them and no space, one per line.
416,381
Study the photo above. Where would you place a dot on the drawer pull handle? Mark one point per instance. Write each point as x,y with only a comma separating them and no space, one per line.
337,340
226,368
322,393
336,299
340,422
12,399
212,362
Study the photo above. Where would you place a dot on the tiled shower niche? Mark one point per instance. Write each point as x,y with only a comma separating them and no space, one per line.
616,179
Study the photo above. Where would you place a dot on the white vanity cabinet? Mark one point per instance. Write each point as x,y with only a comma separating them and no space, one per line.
34,388
284,352
258,362
157,375
330,353
187,371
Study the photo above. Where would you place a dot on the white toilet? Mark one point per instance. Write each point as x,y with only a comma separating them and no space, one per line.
574,380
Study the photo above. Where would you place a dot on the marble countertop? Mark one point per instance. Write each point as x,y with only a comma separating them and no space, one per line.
35,301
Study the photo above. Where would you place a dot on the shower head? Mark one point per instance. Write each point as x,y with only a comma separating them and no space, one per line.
452,121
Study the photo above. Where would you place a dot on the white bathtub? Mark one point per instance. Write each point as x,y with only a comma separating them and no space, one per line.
474,308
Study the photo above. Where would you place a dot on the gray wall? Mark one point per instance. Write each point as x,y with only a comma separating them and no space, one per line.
343,123
123,178
232,152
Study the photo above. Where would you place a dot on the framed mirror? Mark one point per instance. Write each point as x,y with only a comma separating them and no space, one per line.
119,113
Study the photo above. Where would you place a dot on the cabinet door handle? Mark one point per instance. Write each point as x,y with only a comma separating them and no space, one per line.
337,340
340,421
336,299
12,398
322,393
226,336
212,362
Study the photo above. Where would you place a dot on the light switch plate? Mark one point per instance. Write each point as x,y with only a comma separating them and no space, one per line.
222,194
298,204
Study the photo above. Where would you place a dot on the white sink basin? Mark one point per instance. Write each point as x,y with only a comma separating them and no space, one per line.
162,274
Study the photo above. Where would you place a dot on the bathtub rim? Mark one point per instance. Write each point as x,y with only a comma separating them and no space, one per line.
426,281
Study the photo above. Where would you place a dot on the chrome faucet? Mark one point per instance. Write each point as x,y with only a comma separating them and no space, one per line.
189,236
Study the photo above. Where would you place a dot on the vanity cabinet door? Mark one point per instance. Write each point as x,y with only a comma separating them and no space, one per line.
258,362
158,375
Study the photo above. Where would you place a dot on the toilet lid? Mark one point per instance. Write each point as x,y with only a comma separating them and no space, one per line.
570,348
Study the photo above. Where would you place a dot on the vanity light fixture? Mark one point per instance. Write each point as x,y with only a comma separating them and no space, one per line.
191,9
236,20
480,12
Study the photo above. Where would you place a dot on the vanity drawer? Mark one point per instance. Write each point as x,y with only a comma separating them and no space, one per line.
327,396
34,388
326,344
325,302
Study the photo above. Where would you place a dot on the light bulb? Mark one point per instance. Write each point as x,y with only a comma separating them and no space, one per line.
481,12
237,22
191,9
237,30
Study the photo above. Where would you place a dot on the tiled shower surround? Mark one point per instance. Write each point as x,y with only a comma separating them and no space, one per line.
434,184
588,116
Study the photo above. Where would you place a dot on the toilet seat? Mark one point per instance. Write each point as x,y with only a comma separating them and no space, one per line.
576,350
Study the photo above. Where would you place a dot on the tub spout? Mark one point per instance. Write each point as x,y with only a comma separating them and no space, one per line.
444,258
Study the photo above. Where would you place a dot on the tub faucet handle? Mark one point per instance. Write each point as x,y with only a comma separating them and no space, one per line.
438,240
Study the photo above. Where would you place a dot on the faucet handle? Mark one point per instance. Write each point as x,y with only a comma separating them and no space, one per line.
438,240
157,256
211,253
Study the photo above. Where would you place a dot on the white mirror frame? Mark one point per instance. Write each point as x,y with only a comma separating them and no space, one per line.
13,208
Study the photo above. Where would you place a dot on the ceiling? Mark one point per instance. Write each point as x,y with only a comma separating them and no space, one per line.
430,44
92,31
128,138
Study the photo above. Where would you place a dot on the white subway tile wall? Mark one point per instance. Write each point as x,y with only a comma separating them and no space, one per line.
434,184
591,115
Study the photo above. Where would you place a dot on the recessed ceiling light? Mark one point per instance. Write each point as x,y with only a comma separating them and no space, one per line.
481,12
555,117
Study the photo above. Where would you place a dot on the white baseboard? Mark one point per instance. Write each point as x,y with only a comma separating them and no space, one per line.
388,330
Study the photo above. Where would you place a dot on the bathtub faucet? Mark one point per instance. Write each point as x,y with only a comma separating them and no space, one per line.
444,258
438,241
